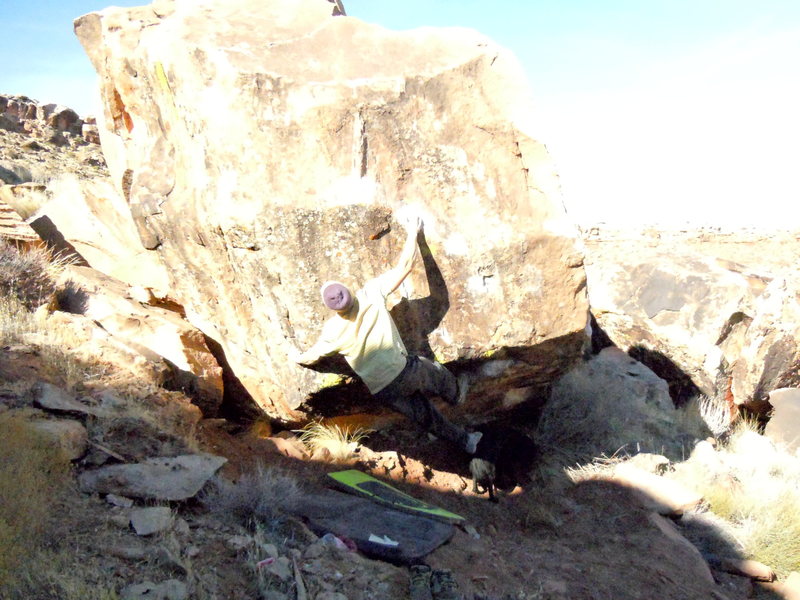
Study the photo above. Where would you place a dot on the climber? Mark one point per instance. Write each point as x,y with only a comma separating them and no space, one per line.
363,331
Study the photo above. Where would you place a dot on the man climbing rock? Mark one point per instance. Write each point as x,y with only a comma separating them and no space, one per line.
363,331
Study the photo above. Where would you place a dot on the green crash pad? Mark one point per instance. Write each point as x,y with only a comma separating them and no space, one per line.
357,482
377,530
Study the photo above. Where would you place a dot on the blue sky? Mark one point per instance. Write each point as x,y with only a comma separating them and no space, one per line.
668,111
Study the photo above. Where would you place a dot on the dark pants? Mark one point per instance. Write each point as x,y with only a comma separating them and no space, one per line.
409,395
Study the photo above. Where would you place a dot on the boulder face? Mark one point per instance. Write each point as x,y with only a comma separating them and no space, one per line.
707,324
265,147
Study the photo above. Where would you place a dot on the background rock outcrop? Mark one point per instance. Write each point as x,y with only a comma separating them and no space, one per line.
712,313
262,150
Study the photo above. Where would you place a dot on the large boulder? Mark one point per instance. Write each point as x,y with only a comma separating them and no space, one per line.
265,147
769,358
612,404
709,325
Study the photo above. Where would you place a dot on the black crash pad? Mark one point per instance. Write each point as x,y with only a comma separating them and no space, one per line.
406,537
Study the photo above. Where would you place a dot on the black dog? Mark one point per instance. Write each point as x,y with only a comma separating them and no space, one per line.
502,459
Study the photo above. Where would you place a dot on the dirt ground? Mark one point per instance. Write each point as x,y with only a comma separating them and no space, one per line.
553,539
550,540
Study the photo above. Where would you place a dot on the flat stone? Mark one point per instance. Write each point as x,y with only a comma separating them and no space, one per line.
171,589
150,520
669,529
52,398
165,479
121,501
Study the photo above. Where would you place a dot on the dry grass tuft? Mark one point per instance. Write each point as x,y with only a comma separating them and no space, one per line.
263,495
716,415
332,442
28,281
50,574
29,276
600,468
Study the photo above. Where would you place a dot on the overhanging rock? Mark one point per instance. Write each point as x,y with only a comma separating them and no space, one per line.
265,147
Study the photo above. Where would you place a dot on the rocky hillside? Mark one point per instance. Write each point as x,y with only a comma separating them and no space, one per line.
40,142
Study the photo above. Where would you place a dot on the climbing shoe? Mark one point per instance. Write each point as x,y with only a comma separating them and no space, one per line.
420,584
443,586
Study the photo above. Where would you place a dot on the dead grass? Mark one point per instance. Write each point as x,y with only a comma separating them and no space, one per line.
33,472
751,485
28,281
331,442
18,325
260,556
715,414
756,487
48,575
600,468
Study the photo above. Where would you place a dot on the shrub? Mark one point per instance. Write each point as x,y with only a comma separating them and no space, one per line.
263,495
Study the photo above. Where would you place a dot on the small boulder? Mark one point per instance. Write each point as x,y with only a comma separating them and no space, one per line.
151,519
784,424
69,435
120,501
